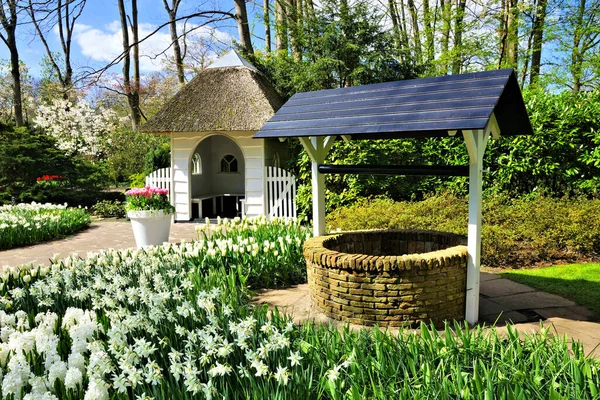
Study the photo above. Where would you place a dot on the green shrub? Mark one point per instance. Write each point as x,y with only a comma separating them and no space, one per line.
131,152
25,224
137,180
28,155
515,232
109,209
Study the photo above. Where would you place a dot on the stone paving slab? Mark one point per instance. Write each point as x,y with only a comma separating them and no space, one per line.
503,318
535,300
487,276
502,287
487,307
588,333
578,313
98,236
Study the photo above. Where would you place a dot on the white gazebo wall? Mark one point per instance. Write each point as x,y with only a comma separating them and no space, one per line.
182,147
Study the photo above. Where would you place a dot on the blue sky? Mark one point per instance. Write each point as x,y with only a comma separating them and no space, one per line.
97,35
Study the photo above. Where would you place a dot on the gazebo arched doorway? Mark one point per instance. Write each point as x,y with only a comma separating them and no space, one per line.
217,176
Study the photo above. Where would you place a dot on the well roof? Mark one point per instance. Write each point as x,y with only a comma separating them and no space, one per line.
427,107
224,98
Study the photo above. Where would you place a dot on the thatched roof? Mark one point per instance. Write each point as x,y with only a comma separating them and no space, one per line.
231,98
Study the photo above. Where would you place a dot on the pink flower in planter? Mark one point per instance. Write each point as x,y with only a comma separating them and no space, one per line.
148,198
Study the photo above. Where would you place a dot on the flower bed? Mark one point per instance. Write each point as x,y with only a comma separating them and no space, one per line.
173,322
24,224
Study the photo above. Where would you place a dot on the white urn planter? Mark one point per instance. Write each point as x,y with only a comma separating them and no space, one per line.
150,227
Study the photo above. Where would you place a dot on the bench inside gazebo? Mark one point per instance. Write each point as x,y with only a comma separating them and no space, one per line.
474,106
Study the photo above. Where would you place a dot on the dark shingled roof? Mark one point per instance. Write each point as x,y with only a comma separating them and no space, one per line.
233,98
428,107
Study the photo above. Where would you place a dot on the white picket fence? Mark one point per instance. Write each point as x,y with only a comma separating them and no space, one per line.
281,193
160,178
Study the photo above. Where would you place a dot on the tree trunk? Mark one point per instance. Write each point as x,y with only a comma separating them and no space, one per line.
429,49
267,22
512,41
458,32
525,67
16,80
538,38
294,32
502,33
414,20
281,29
446,6
136,111
241,17
177,54
576,66
9,25
131,91
404,29
394,16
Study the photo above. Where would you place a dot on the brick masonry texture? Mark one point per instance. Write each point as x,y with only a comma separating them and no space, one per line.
388,277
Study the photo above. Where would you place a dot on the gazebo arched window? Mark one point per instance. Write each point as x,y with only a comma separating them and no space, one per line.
197,164
229,164
276,160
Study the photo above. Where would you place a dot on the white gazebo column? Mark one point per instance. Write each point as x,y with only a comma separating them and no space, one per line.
476,142
317,148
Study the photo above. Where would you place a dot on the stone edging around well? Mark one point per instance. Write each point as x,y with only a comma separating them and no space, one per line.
318,250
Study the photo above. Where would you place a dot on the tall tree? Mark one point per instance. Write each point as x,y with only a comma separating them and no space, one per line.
404,29
512,42
61,16
281,28
582,22
393,13
241,17
9,20
508,33
537,28
267,23
131,89
446,6
177,53
294,27
427,24
414,21
457,51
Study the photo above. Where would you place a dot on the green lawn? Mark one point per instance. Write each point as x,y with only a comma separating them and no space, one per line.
578,282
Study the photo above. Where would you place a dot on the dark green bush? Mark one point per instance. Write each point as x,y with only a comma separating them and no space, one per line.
515,233
109,209
28,154
133,152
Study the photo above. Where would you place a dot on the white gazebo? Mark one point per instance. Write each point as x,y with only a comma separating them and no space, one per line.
473,106
216,167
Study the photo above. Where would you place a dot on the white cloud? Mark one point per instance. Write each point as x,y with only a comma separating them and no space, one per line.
104,45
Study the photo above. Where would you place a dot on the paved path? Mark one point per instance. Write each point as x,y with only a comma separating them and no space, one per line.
100,235
501,301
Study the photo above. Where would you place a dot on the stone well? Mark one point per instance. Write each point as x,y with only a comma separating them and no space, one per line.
388,277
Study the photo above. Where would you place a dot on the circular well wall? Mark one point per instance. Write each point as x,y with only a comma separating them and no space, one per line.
388,277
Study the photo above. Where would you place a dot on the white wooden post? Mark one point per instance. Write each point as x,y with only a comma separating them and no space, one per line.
476,142
317,148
